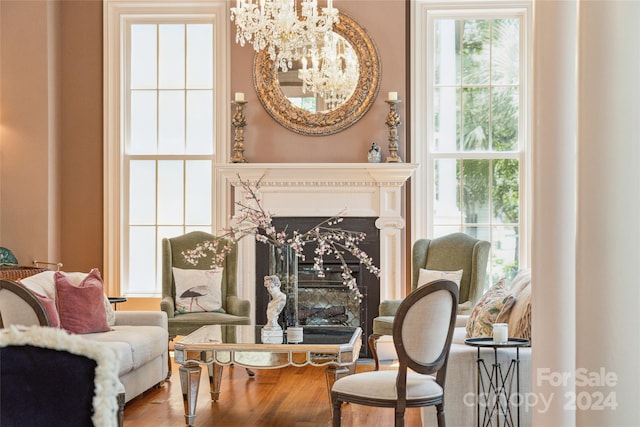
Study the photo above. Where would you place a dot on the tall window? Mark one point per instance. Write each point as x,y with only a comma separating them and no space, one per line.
476,130
167,139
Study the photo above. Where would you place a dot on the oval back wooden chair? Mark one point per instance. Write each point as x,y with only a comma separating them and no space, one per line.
18,306
422,332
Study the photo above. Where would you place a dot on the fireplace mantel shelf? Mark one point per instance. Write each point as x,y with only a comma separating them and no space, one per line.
320,174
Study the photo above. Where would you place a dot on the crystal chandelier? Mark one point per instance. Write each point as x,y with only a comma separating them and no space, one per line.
333,74
276,26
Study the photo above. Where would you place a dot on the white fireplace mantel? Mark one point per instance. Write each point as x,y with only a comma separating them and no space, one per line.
324,190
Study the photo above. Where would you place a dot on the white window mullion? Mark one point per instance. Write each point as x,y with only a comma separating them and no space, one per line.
480,18
120,17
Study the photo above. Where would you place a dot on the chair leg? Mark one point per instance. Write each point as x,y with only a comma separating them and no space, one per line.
373,342
120,414
251,373
440,415
337,415
399,418
170,371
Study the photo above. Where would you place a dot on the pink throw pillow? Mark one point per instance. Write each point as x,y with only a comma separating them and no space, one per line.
50,307
81,307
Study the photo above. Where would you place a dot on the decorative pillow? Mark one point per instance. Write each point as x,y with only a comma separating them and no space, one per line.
198,290
428,276
111,314
520,281
81,307
44,284
520,317
41,283
51,309
493,307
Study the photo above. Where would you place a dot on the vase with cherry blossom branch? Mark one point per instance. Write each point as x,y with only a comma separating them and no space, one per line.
252,220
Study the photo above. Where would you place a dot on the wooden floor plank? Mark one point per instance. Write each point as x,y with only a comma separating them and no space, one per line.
273,398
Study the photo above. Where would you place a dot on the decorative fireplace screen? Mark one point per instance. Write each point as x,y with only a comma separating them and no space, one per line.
325,300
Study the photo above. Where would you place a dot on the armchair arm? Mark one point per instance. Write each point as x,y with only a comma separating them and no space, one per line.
167,305
238,307
141,318
389,307
465,307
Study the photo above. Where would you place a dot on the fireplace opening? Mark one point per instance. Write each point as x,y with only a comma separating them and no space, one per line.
325,300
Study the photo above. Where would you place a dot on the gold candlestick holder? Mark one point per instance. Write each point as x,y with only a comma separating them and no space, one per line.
239,122
393,120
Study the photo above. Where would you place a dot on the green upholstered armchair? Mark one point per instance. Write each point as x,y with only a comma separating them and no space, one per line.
236,310
452,252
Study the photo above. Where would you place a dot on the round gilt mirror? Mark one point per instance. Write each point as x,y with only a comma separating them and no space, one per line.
289,98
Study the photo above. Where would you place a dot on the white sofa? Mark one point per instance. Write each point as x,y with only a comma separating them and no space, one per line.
140,338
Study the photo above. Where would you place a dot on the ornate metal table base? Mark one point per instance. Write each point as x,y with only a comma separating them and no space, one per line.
494,390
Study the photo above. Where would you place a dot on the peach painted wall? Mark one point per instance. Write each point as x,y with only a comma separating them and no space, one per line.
33,183
81,130
267,141
29,196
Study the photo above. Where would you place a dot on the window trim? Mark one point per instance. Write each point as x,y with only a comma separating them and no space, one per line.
422,11
115,15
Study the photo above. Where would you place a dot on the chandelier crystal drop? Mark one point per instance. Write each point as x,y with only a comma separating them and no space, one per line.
277,26
333,70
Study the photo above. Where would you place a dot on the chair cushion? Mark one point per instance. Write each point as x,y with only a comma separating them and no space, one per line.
198,290
135,345
382,385
494,307
383,325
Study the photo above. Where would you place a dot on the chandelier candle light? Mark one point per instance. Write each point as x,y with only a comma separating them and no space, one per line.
333,72
393,120
275,25
239,122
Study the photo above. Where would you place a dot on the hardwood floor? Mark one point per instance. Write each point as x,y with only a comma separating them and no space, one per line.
273,398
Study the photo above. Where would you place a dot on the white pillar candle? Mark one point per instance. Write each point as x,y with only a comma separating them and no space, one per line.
294,334
393,96
500,332
239,96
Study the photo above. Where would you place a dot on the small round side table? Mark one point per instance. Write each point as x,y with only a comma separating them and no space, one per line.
494,389
116,300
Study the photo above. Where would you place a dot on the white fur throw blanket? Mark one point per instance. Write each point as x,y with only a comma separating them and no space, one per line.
107,384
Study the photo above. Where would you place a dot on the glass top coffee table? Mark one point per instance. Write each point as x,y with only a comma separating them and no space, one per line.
336,347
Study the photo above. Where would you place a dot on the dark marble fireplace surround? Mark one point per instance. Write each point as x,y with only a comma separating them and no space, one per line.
326,301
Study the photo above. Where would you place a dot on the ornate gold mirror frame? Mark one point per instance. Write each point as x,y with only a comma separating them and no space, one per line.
265,79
